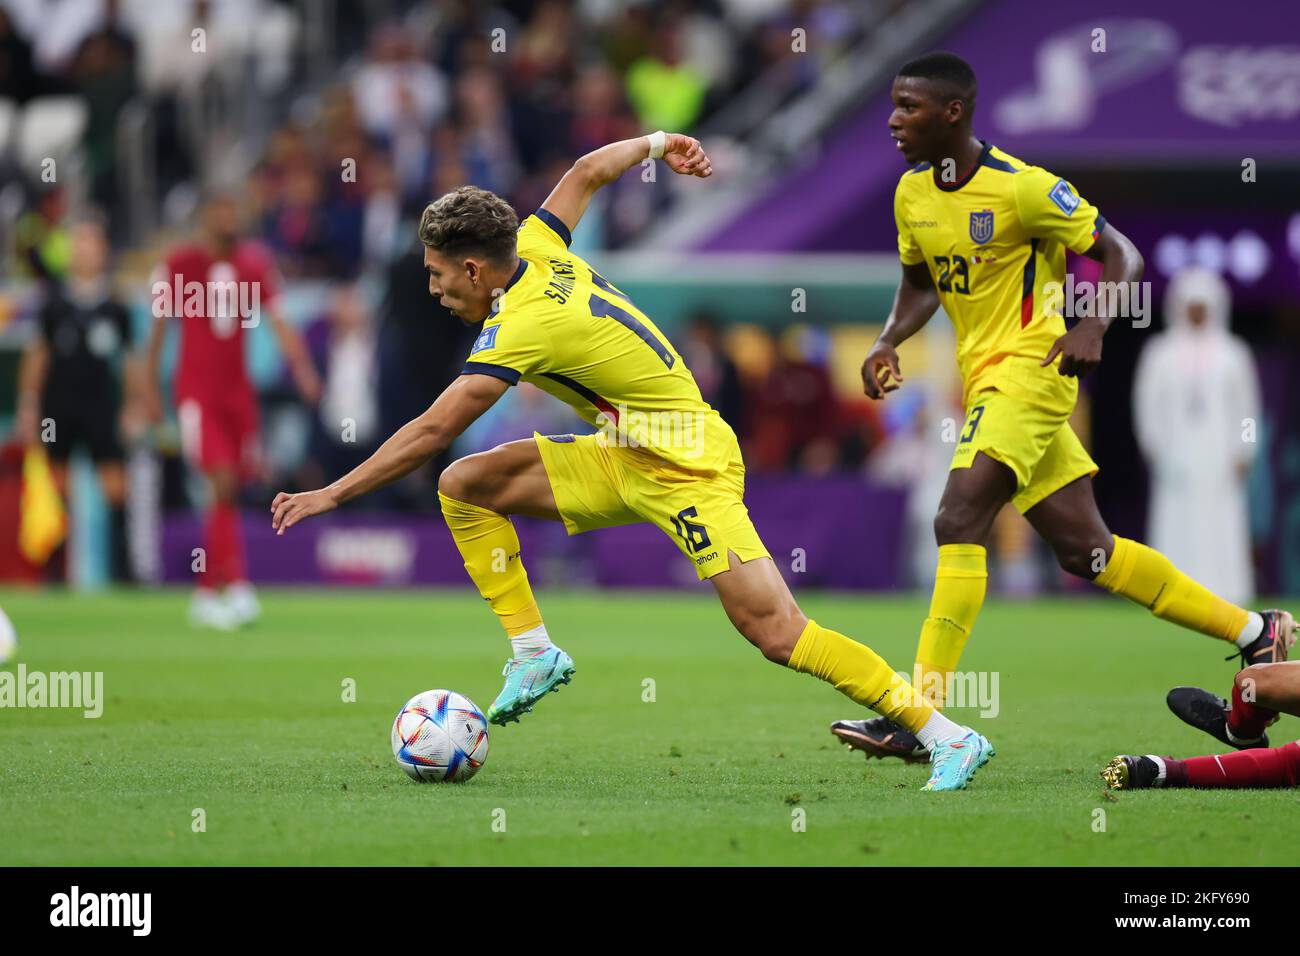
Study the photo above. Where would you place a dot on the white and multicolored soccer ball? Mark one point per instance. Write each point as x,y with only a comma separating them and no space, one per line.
440,736
8,639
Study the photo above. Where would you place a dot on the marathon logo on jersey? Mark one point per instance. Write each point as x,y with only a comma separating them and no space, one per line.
486,339
221,301
1064,198
981,226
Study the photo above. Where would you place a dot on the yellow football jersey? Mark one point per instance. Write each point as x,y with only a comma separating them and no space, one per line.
993,241
565,328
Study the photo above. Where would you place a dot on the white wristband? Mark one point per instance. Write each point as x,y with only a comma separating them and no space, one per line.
658,141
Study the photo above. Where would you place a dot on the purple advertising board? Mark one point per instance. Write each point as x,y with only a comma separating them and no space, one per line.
1162,84
849,540
1170,80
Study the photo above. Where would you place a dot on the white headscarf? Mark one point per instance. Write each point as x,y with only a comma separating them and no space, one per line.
1197,284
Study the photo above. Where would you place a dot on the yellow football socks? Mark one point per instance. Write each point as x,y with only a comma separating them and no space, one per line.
857,671
1150,579
490,547
959,586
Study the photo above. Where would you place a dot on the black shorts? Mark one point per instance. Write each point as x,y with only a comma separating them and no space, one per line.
90,424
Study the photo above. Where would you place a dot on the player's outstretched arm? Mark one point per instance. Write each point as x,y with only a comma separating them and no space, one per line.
1080,348
600,167
915,303
410,447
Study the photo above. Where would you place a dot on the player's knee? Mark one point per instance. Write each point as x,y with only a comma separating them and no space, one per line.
775,632
1076,561
956,524
452,482
1253,680
461,481
1084,557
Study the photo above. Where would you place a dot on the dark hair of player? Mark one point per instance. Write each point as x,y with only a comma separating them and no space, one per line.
470,221
952,77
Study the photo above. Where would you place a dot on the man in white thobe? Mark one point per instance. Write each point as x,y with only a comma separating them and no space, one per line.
1196,412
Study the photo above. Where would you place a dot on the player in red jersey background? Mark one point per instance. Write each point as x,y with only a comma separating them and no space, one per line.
216,289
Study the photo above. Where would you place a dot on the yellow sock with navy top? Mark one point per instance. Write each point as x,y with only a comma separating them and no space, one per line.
858,672
1147,577
959,586
490,548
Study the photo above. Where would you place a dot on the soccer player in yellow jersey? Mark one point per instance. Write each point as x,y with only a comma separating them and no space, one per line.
660,453
984,234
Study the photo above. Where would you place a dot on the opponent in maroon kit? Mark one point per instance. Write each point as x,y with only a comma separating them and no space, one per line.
1260,694
218,289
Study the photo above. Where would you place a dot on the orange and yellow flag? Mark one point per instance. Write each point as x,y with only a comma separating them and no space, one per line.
43,523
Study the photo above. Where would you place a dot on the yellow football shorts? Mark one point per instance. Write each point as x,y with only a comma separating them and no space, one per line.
600,485
1035,441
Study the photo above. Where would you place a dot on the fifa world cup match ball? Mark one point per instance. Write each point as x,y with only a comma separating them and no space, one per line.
9,639
440,736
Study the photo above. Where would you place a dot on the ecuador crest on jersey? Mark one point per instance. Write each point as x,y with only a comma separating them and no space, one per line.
981,227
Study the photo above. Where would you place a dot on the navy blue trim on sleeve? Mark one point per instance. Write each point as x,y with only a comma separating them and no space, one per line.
496,371
554,221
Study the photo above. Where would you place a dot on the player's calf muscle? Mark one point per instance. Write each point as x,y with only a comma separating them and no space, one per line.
1084,557
761,608
774,631
965,521
1275,686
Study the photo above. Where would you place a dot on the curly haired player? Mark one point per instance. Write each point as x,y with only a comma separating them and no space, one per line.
662,455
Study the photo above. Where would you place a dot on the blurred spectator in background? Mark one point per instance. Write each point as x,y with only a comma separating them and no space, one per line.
422,348
600,113
348,421
104,71
714,371
42,245
666,91
19,78
1196,414
914,457
399,99
485,142
297,226
69,392
793,418
191,78
381,216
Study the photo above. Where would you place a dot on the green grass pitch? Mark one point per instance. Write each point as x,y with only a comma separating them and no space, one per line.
253,729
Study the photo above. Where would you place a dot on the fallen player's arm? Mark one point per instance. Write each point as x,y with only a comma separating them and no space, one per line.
410,447
569,199
1121,263
915,303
